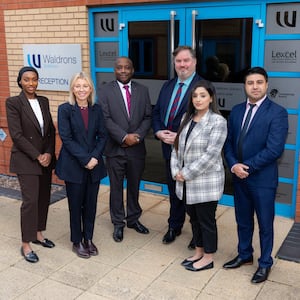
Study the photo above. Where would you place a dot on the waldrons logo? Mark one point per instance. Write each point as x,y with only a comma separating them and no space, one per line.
286,22
36,60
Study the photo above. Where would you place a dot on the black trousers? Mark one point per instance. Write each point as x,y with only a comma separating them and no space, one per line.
35,190
204,226
120,168
177,209
82,199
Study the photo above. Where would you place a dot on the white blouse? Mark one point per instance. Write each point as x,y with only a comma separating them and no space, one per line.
38,112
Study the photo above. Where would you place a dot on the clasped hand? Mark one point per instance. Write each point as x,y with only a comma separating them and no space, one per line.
92,163
131,139
44,159
166,136
240,170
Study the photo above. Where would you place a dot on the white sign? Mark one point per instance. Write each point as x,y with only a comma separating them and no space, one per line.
229,94
55,63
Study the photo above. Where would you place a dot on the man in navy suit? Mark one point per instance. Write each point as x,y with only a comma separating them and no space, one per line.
165,122
254,143
127,112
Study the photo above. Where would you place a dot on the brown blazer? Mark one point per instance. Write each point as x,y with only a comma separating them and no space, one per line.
25,131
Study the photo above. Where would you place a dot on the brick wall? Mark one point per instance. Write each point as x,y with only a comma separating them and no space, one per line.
67,25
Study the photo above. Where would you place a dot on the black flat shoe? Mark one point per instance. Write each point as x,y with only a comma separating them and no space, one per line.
188,262
191,268
45,243
30,257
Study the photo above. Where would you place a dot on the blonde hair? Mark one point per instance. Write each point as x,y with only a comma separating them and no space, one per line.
87,78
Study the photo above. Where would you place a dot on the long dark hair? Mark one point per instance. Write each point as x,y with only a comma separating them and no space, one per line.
191,109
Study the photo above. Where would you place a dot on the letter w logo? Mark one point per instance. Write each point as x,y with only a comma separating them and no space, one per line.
36,61
107,27
286,19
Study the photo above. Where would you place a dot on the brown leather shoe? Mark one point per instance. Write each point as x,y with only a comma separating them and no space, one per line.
90,246
80,250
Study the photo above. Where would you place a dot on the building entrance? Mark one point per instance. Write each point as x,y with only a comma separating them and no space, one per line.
227,39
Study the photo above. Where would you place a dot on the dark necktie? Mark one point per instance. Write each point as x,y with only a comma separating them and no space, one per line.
175,105
243,132
128,98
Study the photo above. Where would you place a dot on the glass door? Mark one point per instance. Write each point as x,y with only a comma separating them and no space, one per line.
150,37
224,38
226,43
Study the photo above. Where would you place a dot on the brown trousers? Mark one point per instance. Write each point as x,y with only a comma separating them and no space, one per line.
35,191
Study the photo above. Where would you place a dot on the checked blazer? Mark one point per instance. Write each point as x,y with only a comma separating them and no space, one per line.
200,160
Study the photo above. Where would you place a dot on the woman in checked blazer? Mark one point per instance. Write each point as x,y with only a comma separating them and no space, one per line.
197,167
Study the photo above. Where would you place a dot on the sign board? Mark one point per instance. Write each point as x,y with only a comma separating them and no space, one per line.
283,18
282,56
55,63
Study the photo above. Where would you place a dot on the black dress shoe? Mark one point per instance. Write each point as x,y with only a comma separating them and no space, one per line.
90,246
118,234
80,250
206,267
170,236
139,227
189,262
237,262
260,275
30,257
191,245
45,243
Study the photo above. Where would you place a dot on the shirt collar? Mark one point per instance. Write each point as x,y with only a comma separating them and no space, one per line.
258,103
187,81
122,84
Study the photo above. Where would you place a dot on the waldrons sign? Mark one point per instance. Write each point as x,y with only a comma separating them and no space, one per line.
56,64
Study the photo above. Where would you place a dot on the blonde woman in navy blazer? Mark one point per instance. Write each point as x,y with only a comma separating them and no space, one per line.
197,167
80,163
32,158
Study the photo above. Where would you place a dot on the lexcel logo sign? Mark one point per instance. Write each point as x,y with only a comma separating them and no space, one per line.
284,56
55,64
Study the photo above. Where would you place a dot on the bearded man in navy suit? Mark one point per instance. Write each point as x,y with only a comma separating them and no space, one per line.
165,128
252,157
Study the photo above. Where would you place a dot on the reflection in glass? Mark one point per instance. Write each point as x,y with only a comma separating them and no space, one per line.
223,48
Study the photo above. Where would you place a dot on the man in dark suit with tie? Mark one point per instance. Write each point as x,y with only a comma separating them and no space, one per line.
167,115
127,112
256,137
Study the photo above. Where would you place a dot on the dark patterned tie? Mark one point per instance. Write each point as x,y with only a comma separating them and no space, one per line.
243,132
175,105
128,98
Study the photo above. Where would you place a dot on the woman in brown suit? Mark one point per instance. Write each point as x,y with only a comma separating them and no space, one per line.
32,158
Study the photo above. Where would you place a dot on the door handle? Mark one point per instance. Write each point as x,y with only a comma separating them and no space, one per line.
172,41
194,14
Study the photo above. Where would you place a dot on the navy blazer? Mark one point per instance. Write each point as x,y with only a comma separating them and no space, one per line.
117,121
161,107
27,137
80,145
263,144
